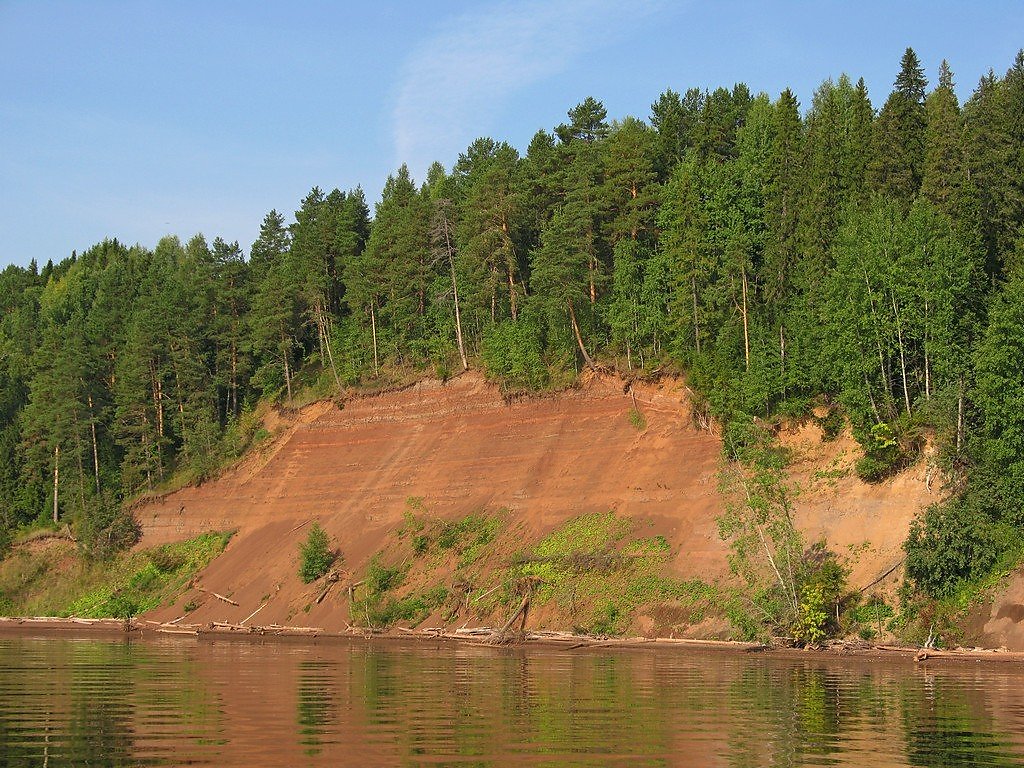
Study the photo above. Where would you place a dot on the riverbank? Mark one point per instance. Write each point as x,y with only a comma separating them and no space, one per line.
490,637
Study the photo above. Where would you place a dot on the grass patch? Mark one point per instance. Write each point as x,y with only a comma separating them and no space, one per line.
468,538
597,570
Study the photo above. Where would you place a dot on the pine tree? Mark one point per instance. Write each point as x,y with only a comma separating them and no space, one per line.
629,181
561,274
491,219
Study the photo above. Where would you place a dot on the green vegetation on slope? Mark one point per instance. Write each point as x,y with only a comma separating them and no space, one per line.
54,581
595,572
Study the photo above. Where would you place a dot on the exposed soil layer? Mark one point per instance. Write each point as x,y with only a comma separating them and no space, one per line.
460,447
1003,625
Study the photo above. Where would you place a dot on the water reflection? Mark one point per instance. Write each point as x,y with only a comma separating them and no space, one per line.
77,702
318,705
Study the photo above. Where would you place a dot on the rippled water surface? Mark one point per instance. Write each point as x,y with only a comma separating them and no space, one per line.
232,702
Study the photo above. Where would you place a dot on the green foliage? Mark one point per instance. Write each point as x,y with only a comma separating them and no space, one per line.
812,616
637,419
469,537
883,454
951,544
105,528
596,560
315,555
512,353
832,424
787,586
121,586
380,608
381,578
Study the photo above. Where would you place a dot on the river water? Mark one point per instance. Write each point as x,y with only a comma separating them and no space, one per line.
112,702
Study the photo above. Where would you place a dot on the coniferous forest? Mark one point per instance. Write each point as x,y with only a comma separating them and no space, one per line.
841,257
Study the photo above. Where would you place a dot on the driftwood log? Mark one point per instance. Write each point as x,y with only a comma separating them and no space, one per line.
219,597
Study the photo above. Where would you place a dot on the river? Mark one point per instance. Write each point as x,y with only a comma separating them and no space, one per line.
111,702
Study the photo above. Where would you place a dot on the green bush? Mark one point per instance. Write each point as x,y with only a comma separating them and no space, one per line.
951,544
812,620
605,621
831,424
382,578
316,555
888,448
637,419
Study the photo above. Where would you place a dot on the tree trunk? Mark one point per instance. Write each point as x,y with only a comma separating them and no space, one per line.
903,359
782,357
287,375
330,354
696,327
512,295
56,476
373,327
746,329
927,360
458,314
960,413
95,449
592,268
234,378
579,338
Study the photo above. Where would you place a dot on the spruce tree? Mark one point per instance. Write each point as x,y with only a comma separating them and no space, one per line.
899,136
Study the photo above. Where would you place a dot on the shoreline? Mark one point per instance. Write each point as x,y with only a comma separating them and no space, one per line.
483,637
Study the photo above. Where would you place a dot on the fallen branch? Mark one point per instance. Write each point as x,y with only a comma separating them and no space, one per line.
219,597
264,605
889,570
305,522
282,628
485,594
502,634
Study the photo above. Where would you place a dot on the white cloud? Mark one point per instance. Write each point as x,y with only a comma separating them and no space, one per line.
453,80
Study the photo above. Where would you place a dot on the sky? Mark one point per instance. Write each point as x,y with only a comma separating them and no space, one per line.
140,119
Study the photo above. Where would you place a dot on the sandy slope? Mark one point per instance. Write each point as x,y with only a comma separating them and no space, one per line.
461,447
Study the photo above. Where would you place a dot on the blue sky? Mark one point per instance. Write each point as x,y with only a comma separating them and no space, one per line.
139,119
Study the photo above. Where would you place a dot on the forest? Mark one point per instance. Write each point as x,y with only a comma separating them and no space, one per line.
836,257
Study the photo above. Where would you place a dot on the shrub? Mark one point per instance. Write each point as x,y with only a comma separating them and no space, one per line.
420,544
123,606
888,448
167,559
316,555
951,544
637,419
812,619
831,424
381,578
